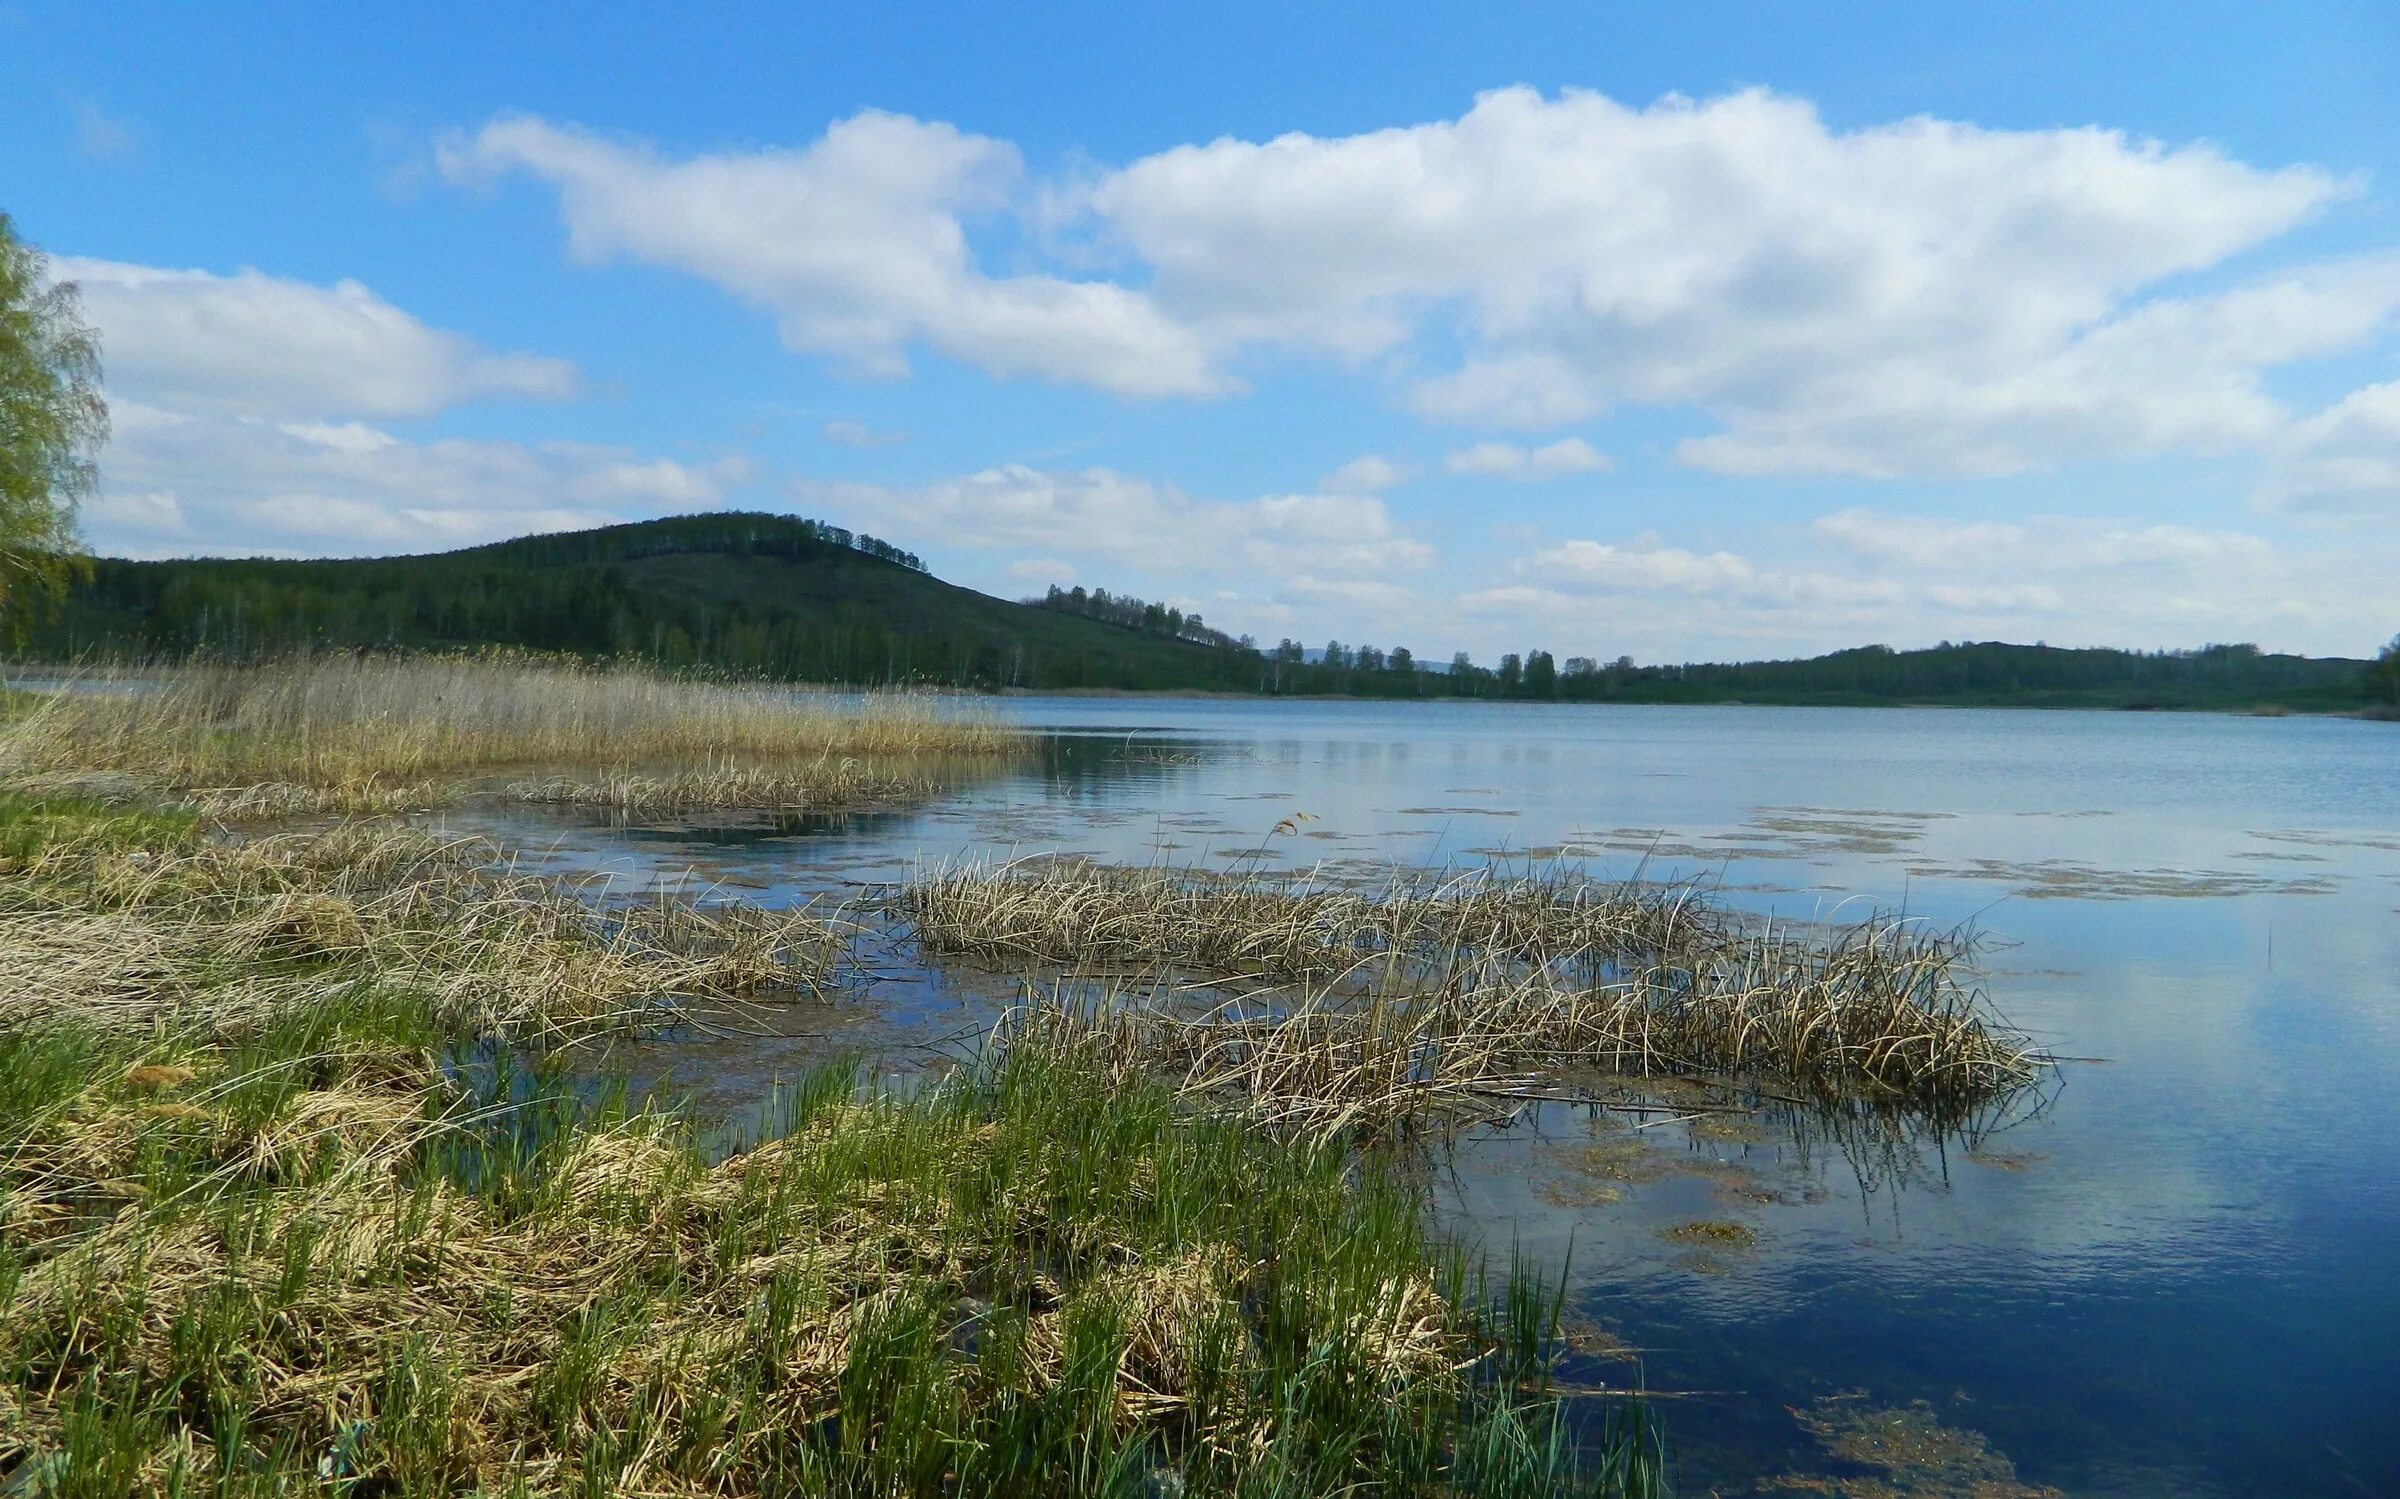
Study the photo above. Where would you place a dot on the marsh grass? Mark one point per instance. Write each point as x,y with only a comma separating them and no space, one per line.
1426,999
1280,927
826,782
335,733
134,922
366,1238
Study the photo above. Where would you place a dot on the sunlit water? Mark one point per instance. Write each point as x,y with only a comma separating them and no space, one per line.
2176,1271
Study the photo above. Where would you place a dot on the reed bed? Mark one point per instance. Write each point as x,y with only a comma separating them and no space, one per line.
1505,979
1872,1019
110,935
361,733
1293,927
822,784
361,1242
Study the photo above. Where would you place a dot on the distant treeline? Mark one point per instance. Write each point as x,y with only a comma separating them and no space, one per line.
793,599
1966,672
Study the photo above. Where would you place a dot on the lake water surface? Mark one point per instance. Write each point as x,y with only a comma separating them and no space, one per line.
2175,1270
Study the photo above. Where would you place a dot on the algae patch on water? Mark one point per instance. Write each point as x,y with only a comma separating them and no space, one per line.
1917,1456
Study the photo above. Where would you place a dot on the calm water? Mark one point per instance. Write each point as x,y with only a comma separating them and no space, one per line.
2177,1271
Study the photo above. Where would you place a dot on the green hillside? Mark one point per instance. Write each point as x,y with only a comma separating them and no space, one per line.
798,600
757,594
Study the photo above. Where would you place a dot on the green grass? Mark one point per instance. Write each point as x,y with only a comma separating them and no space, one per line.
360,1246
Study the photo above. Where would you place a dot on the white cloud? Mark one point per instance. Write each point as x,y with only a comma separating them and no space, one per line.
1041,572
251,344
857,244
855,434
1357,595
2053,543
1121,521
1369,473
1501,460
200,482
1859,576
1920,297
2342,462
1649,567
1915,298
101,136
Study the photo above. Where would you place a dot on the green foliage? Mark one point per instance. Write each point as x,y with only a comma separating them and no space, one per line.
788,599
51,421
2383,679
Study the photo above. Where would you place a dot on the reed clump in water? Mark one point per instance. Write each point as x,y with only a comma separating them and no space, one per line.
1291,927
372,733
306,1251
824,783
1503,980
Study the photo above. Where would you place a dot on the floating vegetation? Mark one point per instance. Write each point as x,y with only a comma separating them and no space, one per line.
1714,1233
2072,879
1918,1457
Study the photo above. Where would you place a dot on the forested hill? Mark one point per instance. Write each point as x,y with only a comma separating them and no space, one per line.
750,594
799,600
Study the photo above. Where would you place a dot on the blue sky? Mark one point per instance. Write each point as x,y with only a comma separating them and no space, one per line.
1683,332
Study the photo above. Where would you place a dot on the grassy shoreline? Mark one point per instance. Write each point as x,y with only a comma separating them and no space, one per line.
308,1202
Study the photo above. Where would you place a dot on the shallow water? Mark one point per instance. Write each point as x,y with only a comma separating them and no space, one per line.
2173,1272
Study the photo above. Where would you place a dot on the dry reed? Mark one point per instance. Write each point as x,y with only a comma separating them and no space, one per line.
1421,996
1291,927
229,934
364,733
822,784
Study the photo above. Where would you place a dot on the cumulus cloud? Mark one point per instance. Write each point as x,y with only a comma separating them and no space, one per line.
1502,460
1369,473
2342,462
2049,542
856,243
1131,523
855,434
251,344
1915,298
1858,576
1920,297
189,482
1650,567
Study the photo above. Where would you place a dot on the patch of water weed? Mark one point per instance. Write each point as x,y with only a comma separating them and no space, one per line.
2007,1160
2317,838
1713,1233
2072,879
1911,1453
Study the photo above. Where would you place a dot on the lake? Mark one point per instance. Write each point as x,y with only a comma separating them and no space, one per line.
2175,1269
